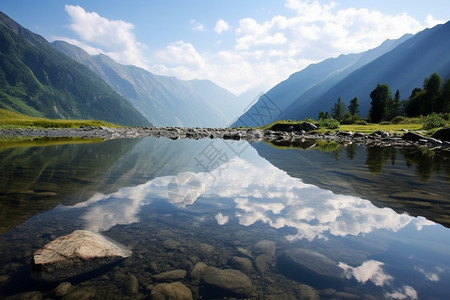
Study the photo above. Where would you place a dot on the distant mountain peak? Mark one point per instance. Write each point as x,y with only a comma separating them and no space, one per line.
401,63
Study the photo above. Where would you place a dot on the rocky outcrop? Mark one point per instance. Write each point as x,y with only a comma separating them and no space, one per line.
77,253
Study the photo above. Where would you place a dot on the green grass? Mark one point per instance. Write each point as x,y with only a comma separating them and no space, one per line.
10,119
410,124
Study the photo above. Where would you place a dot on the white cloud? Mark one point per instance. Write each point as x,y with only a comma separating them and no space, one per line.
430,21
196,26
181,54
115,38
221,26
268,51
263,53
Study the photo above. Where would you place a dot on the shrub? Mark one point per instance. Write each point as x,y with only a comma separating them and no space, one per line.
385,123
433,121
329,123
445,116
361,122
398,120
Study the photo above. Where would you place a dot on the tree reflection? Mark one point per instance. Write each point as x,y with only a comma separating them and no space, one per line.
351,151
427,162
378,156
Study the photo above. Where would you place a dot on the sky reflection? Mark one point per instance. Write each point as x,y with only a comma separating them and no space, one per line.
260,193
250,191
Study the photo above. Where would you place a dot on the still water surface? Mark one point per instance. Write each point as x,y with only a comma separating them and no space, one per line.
334,222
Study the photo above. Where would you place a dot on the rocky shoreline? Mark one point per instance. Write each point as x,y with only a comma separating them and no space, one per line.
287,135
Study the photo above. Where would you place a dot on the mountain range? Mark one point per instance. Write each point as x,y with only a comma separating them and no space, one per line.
39,81
164,101
402,64
60,80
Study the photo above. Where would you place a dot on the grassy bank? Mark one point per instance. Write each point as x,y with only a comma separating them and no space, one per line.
9,119
410,124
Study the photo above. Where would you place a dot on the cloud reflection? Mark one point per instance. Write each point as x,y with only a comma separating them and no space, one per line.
370,270
260,193
406,292
221,219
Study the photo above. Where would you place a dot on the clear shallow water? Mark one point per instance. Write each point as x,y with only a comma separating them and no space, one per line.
347,222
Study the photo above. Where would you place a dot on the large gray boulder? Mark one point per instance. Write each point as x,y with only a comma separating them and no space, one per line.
77,253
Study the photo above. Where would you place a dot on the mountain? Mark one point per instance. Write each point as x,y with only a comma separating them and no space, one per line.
165,101
310,83
39,81
404,68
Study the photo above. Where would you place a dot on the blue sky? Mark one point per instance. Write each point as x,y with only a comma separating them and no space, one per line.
237,44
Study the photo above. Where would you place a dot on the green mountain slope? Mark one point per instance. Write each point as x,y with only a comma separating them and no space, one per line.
39,81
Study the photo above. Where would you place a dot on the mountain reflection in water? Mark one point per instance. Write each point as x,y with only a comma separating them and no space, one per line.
344,222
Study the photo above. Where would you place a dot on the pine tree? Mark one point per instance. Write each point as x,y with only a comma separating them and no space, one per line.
380,97
338,110
353,107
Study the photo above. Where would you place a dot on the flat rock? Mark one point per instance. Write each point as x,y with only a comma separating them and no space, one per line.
77,253
175,291
230,281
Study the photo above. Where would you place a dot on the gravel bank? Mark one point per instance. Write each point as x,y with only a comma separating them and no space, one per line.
286,137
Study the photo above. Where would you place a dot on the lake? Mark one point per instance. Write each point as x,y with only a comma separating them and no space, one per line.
299,221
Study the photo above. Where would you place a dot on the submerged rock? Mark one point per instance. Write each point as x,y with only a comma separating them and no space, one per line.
242,263
170,275
62,289
77,253
175,290
229,281
265,247
310,262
